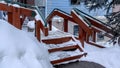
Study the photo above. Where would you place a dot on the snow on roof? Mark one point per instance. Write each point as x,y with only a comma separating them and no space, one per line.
18,50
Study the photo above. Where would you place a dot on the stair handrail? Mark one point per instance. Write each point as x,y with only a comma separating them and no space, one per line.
30,7
58,10
92,17
86,21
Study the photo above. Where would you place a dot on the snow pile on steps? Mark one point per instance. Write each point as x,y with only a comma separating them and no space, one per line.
63,54
69,43
18,50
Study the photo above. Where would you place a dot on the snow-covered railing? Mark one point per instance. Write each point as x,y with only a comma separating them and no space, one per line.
29,7
56,9
87,15
17,13
83,18
80,21
85,24
67,17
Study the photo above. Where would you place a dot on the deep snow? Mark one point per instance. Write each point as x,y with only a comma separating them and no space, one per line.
108,57
19,50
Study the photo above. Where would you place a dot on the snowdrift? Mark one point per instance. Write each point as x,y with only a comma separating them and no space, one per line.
18,50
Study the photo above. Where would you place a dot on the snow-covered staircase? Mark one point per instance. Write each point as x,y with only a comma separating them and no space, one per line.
63,49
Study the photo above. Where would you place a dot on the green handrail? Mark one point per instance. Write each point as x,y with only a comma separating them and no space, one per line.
57,10
30,7
83,17
92,17
36,7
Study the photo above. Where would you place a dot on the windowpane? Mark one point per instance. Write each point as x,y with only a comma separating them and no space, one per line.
76,29
100,36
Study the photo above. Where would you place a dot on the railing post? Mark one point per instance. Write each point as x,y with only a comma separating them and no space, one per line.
94,36
65,25
50,25
87,37
81,36
10,17
16,17
22,19
46,31
37,30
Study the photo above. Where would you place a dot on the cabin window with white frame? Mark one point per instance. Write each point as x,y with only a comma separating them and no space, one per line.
75,2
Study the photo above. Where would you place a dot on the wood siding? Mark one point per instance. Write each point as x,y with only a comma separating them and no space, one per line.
67,7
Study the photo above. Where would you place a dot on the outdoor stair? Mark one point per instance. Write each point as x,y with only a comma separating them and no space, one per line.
64,49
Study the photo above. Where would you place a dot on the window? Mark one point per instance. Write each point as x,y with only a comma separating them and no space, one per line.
100,36
23,1
75,2
76,30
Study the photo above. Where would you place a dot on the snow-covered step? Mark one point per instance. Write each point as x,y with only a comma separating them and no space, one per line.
72,47
56,40
63,49
55,34
65,56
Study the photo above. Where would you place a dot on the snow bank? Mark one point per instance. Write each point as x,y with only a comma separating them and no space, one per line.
108,57
18,50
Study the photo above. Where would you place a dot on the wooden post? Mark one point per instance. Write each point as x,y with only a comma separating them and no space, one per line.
87,37
81,36
65,25
94,36
10,18
22,19
37,30
46,31
50,25
16,18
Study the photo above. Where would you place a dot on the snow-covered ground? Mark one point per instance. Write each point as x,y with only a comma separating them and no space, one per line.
108,57
18,49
